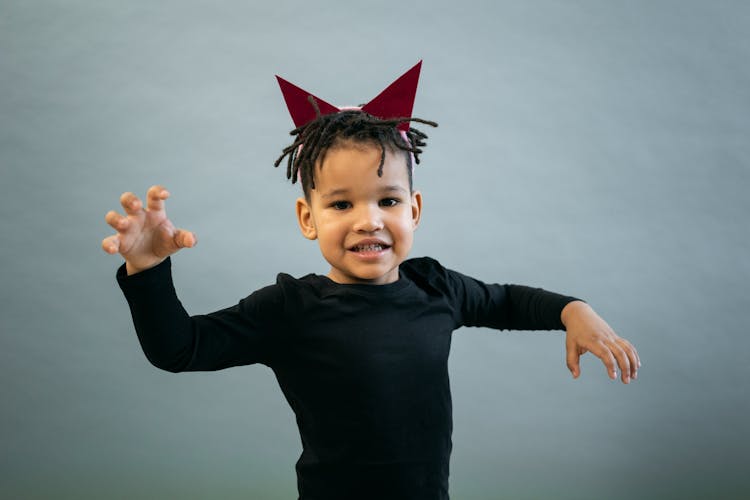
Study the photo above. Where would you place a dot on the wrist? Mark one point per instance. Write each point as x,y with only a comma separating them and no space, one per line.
571,309
131,268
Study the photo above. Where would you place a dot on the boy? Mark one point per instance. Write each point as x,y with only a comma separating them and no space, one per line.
360,354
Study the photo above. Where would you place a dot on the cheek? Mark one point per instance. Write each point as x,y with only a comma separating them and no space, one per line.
331,229
406,229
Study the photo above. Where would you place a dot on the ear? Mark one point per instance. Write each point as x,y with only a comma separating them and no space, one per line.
305,219
416,208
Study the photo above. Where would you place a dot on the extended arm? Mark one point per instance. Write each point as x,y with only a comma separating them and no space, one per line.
518,307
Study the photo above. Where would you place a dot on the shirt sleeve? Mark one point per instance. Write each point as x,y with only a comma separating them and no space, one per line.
175,341
506,307
475,303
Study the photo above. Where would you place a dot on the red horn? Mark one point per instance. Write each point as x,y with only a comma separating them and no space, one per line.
396,101
299,106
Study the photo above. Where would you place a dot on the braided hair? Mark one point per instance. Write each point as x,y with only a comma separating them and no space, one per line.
327,131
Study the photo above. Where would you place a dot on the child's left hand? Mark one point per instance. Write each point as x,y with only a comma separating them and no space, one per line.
587,331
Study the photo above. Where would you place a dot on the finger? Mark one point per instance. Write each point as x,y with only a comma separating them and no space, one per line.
622,361
632,357
155,197
117,221
637,357
111,244
185,239
602,352
573,360
131,203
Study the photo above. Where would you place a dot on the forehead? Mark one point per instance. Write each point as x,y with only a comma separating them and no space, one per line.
357,163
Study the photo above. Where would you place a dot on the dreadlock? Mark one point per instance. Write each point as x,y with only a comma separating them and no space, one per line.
321,134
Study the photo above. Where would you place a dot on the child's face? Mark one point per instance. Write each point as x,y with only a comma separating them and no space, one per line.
364,224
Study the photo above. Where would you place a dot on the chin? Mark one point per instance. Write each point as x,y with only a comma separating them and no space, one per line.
369,278
386,277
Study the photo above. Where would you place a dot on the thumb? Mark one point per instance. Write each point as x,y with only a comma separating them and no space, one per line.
166,242
572,360
184,239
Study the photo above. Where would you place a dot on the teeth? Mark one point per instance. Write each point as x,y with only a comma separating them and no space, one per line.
369,248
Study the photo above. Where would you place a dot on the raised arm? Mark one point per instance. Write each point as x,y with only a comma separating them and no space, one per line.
175,341
172,339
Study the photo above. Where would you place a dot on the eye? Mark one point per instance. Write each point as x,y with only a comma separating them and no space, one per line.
389,202
340,205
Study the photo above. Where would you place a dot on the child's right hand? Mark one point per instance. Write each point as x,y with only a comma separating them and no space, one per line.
145,237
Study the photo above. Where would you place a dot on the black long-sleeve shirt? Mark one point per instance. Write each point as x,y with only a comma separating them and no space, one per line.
363,367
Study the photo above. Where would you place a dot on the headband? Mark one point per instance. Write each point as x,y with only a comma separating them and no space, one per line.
396,101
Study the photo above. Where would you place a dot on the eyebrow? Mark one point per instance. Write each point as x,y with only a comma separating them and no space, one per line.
386,189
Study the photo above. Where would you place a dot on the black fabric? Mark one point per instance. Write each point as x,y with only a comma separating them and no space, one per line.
364,367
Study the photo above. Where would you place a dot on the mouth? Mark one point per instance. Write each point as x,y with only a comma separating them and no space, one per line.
369,247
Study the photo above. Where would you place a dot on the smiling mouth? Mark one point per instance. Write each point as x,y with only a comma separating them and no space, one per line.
370,247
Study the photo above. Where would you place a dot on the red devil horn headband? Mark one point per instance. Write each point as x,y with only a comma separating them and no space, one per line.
396,101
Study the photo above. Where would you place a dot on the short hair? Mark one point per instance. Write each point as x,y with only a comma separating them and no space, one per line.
315,138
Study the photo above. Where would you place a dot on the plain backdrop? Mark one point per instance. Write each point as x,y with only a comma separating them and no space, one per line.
595,148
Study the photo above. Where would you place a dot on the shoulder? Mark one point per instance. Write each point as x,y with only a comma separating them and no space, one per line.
278,295
428,273
421,265
282,303
288,286
293,294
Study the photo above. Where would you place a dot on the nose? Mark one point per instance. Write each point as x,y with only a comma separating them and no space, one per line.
368,219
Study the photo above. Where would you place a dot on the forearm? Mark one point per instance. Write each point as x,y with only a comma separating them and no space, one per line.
163,326
536,309
507,307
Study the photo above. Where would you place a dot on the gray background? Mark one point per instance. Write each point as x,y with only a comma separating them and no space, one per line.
589,147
